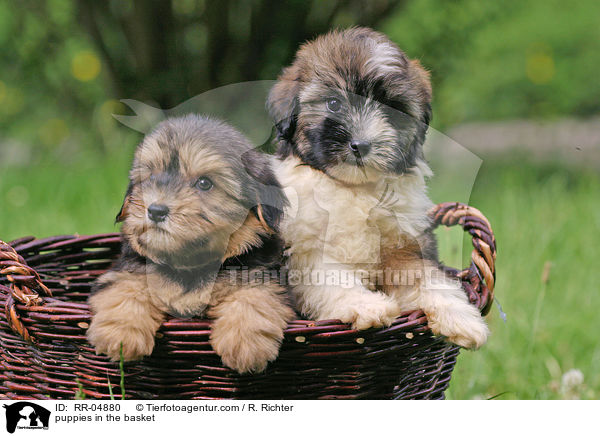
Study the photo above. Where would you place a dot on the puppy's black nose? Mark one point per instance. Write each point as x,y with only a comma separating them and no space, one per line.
360,147
158,212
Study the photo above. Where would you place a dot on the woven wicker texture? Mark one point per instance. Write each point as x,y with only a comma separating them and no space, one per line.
44,285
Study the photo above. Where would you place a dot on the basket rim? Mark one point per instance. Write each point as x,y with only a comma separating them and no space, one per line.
28,294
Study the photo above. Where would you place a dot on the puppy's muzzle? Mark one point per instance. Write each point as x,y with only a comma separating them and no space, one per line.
360,148
158,212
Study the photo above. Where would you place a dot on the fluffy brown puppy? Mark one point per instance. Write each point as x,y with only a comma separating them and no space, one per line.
200,222
352,112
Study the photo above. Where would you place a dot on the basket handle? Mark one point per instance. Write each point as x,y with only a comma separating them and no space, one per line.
24,282
480,277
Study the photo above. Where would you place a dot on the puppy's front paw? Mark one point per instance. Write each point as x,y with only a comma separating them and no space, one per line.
369,310
248,327
244,349
123,313
464,327
243,352
107,338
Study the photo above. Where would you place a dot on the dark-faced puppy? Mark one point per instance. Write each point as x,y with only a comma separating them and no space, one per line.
200,201
352,99
352,112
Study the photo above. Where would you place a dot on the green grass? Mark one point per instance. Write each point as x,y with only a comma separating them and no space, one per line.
52,199
122,372
541,215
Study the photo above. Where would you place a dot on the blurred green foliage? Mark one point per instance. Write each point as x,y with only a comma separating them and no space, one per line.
509,59
64,64
54,104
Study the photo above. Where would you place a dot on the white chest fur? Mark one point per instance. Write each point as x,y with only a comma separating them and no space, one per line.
332,222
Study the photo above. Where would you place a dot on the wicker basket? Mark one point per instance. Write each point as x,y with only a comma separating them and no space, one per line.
44,285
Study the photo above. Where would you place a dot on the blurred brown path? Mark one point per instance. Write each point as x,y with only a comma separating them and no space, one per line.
574,142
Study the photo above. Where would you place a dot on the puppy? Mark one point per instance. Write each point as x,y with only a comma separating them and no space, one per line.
351,114
200,215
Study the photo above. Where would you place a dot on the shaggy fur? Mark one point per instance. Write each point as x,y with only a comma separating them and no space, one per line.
221,206
352,112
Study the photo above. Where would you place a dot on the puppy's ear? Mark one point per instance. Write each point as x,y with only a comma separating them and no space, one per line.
427,113
282,103
422,76
123,212
267,197
422,80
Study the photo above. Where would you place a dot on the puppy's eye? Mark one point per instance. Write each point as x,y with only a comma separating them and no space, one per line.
204,184
333,105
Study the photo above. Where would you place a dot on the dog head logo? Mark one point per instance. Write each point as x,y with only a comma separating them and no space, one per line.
26,415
